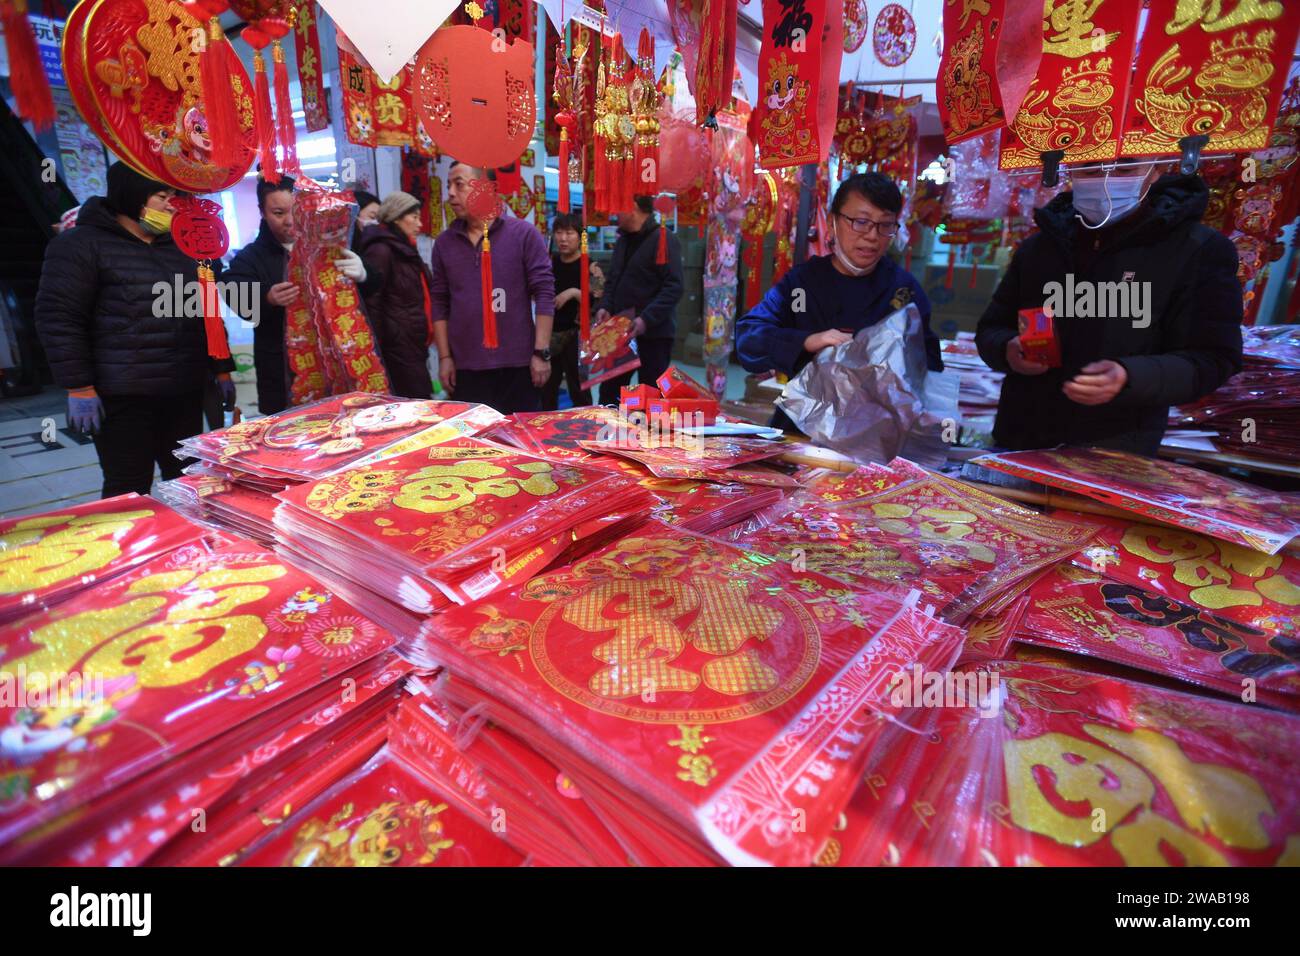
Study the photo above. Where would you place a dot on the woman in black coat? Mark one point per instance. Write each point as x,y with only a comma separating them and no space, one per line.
399,307
117,334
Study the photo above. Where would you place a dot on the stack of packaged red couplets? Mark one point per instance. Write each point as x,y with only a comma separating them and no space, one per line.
451,523
48,558
1077,610
222,503
381,815
170,670
707,507
498,780
1164,491
965,550
709,704
1079,769
556,436
310,441
701,459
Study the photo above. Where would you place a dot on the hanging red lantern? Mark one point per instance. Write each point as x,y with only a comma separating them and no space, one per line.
200,233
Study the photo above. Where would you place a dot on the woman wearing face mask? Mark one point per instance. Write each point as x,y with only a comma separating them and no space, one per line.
399,307
367,214
822,302
134,363
1170,339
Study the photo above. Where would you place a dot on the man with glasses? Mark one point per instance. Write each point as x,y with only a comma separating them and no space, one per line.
822,302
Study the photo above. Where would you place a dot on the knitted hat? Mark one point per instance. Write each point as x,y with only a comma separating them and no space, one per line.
128,191
396,205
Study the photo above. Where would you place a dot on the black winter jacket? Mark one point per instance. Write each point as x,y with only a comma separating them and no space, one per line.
635,281
96,311
1191,346
396,309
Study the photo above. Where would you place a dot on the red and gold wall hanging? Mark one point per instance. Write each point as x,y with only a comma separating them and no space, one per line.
475,95
893,38
1076,101
136,76
798,67
991,51
857,24
200,233
391,106
1209,69
310,78
760,216
705,33
358,111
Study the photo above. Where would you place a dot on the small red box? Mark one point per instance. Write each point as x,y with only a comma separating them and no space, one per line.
636,399
1038,342
675,383
685,409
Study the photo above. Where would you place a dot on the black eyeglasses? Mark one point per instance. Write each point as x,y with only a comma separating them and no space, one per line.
866,226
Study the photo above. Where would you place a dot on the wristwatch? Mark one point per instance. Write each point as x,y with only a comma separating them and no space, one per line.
543,354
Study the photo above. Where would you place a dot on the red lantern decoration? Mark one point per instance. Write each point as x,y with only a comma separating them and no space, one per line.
200,233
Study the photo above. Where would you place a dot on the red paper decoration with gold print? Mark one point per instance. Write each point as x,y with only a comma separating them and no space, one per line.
857,23
1076,101
991,51
894,35
474,94
142,86
198,230
1209,69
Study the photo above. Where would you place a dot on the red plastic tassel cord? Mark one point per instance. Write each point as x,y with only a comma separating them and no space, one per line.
661,254
213,326
562,204
584,285
489,315
907,259
27,78
952,265
219,98
264,119
288,139
974,272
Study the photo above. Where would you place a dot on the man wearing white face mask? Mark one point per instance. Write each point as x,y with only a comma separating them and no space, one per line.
1128,352
822,302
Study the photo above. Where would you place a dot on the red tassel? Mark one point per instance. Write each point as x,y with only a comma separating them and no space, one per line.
952,265
563,203
213,327
584,285
661,254
264,119
27,77
219,98
907,260
288,139
974,272
489,315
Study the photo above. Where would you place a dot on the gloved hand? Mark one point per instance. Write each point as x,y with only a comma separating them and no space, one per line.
349,263
227,391
85,410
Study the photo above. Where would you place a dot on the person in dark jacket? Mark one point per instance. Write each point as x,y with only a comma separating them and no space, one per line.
636,281
399,306
566,265
824,301
134,363
1161,325
262,263
367,214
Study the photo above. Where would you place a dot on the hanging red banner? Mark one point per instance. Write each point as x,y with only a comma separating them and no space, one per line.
1076,101
1209,70
392,109
991,53
357,95
798,68
307,43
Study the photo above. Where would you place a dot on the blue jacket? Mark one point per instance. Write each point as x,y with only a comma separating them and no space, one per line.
772,335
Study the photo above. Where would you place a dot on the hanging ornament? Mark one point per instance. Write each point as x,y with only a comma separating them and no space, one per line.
584,282
645,97
484,204
564,119
857,23
266,21
200,233
284,126
620,132
664,206
27,79
894,35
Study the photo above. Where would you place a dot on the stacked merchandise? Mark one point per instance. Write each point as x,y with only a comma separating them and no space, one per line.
172,690
1255,414
980,388
241,468
709,704
414,534
680,455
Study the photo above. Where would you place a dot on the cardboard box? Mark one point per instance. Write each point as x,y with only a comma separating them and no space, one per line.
675,383
685,410
1038,340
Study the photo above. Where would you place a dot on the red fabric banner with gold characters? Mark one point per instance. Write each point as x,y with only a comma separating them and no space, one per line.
1215,69
1076,101
358,111
307,45
990,55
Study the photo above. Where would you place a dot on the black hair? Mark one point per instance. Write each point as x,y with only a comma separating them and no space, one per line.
129,190
266,187
566,220
646,204
489,174
875,188
364,198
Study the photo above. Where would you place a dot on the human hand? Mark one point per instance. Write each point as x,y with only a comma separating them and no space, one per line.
283,294
227,391
638,327
447,373
85,410
1019,364
541,371
350,264
820,340
1097,383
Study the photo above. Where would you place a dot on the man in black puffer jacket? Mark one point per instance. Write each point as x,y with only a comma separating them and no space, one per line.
1178,339
134,365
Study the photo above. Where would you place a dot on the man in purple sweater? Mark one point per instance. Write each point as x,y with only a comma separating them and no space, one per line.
507,377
